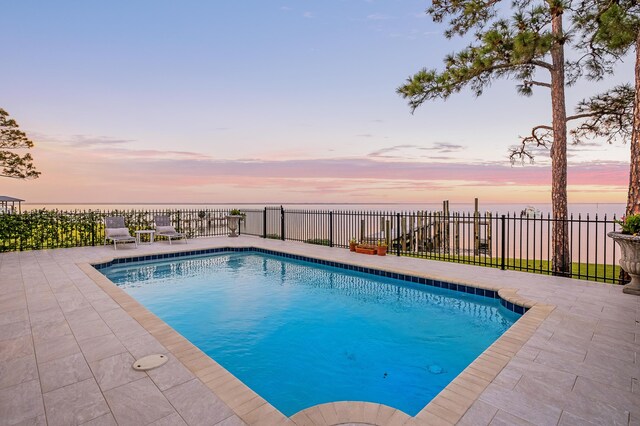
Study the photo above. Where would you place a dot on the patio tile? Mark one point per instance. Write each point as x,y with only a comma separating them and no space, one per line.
100,347
550,356
480,413
38,302
49,330
596,413
104,305
608,341
58,347
171,374
47,316
560,380
17,315
16,348
11,284
21,402
616,365
264,415
502,418
82,315
96,294
330,415
72,302
15,329
508,377
521,405
620,353
616,397
143,345
17,371
232,421
89,329
138,403
13,301
196,404
428,419
127,328
590,408
613,332
75,404
593,372
115,371
63,371
171,420
624,324
115,315
106,420
442,412
40,420
568,419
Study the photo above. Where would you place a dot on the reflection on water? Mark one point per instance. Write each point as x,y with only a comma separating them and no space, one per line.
362,287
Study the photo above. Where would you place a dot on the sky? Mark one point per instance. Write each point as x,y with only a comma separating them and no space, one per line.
268,101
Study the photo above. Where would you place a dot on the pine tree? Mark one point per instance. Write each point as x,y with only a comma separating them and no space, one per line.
610,29
12,138
531,39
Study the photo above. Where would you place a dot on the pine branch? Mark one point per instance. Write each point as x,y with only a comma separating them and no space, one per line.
541,136
608,115
507,49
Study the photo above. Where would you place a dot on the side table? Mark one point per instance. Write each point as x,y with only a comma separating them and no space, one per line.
149,232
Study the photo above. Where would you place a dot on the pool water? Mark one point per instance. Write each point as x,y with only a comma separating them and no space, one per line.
301,334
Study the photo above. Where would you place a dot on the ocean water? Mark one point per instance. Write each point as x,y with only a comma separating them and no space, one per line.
591,209
301,334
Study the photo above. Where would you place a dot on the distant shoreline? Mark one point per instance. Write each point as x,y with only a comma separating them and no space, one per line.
288,204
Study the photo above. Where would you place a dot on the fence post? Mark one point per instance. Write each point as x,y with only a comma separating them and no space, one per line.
282,223
264,223
93,228
398,234
330,228
503,243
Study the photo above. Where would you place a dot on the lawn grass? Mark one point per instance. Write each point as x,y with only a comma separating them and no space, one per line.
590,272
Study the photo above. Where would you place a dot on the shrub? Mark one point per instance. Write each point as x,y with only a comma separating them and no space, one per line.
318,241
630,224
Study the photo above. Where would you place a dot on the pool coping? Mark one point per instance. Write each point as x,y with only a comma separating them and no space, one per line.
446,408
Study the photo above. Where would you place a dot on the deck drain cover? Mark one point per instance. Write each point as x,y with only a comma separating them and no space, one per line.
149,362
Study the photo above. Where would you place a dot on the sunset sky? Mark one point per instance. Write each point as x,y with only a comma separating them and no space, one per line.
266,101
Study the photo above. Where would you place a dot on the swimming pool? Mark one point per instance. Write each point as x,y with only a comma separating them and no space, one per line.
301,334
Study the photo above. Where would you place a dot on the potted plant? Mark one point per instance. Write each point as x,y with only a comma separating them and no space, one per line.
233,221
629,242
366,248
382,248
352,244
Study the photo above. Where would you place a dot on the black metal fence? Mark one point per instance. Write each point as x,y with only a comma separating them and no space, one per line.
506,241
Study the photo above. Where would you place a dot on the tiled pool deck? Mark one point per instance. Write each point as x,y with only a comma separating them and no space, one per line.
68,338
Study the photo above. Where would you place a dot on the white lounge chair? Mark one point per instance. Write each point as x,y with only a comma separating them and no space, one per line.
166,230
116,231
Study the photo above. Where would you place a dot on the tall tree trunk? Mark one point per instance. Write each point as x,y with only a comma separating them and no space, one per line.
561,260
633,200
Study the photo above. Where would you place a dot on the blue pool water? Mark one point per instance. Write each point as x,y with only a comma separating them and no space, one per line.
301,334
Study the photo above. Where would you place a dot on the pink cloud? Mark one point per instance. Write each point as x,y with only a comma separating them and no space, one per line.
119,175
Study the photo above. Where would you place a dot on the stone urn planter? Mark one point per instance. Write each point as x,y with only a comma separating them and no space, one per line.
629,259
233,223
